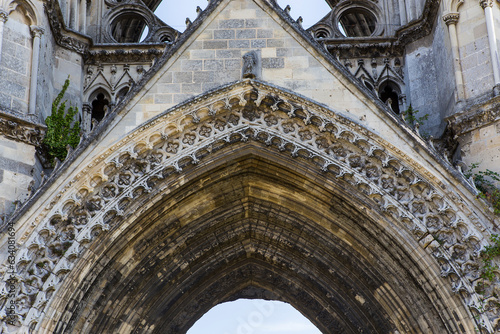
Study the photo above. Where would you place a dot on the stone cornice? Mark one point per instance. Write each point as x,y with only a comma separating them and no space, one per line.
364,46
476,117
68,39
21,130
119,53
419,28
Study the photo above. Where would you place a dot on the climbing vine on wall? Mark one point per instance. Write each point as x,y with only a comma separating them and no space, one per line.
62,129
485,183
487,255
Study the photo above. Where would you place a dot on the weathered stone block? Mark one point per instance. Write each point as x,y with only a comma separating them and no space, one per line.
202,54
239,44
203,77
191,65
228,53
245,33
224,34
213,65
254,23
163,98
178,98
284,52
5,100
19,105
15,64
275,43
232,64
258,43
170,88
209,86
265,33
193,88
183,77
215,44
232,23
227,76
13,89
273,62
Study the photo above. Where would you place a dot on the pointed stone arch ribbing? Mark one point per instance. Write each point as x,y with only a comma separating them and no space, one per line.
394,185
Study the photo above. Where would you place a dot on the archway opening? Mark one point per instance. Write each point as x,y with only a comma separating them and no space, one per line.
389,93
99,107
129,28
256,316
357,22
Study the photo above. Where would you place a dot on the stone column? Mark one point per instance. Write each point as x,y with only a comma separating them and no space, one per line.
35,55
402,12
451,20
83,16
75,17
3,18
490,27
86,118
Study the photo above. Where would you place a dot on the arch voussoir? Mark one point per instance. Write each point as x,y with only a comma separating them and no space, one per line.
147,164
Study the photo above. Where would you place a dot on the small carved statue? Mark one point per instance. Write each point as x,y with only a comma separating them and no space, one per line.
88,77
250,65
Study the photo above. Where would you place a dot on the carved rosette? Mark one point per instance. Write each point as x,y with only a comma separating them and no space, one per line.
143,162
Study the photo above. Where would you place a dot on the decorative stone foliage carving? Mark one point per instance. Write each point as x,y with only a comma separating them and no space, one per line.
19,130
476,117
94,200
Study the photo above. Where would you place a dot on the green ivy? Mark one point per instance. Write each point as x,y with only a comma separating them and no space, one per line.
485,183
410,116
487,255
62,129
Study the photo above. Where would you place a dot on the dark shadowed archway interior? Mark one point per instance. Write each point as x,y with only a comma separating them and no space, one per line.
247,223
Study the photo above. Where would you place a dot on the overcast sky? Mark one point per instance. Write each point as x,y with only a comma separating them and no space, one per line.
174,12
253,317
248,316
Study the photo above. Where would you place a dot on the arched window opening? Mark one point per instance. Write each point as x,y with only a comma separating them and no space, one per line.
368,85
99,107
129,28
322,33
357,22
389,93
254,316
121,94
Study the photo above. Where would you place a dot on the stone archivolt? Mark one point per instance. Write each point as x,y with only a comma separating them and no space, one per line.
145,164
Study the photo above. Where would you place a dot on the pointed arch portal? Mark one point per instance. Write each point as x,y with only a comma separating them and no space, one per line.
252,191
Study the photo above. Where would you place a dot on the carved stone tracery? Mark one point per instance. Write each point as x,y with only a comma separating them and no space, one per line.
93,202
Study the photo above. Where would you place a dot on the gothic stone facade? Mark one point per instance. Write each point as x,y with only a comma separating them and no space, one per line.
248,157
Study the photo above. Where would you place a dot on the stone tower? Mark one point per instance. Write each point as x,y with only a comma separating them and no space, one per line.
248,157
